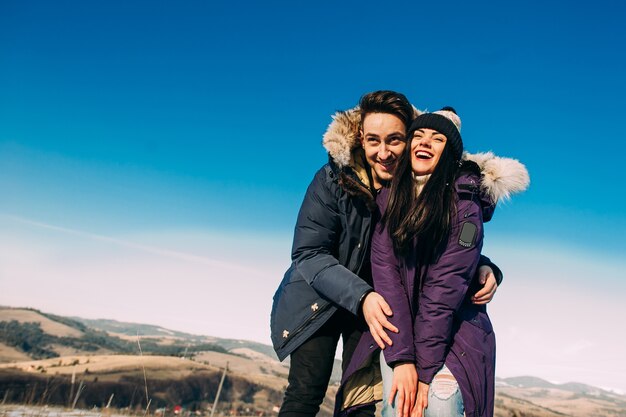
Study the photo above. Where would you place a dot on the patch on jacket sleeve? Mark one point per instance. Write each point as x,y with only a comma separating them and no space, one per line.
467,237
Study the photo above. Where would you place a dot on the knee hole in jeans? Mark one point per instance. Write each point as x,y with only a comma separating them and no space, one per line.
444,386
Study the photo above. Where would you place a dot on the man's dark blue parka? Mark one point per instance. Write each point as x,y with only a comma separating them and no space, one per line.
331,244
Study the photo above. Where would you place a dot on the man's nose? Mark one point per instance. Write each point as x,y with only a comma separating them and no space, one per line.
383,151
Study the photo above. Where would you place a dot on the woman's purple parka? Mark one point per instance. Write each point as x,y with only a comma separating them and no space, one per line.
447,326
431,304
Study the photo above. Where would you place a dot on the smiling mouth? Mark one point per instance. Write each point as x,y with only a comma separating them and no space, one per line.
423,155
388,165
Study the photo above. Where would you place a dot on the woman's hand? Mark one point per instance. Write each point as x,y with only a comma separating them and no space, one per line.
422,400
405,385
488,280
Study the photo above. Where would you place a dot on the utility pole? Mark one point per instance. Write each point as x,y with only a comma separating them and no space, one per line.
219,390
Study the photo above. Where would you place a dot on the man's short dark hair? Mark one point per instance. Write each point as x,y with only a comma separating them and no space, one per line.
386,101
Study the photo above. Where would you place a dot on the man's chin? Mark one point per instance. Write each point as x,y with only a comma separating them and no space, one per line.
384,177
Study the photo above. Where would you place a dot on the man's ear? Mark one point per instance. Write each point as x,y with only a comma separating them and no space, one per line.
361,137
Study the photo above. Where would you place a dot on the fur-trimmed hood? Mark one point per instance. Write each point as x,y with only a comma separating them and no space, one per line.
342,142
501,177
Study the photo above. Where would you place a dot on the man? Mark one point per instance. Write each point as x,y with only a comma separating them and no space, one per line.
327,291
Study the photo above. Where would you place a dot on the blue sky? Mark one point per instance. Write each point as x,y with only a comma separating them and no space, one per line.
170,144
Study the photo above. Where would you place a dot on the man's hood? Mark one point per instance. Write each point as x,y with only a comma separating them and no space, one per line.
342,136
342,142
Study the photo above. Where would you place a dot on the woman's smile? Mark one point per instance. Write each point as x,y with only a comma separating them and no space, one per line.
427,145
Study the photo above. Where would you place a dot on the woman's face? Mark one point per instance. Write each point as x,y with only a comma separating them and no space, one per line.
426,148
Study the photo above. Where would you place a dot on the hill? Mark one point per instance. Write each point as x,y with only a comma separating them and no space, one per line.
125,329
40,355
569,399
40,336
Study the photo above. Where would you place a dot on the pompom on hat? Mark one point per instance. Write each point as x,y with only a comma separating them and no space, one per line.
444,121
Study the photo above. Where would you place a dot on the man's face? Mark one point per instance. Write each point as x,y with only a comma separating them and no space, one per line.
383,139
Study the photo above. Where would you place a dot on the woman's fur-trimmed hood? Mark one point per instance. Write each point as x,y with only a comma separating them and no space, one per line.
501,177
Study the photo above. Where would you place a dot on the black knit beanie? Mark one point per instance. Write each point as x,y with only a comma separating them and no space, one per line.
444,121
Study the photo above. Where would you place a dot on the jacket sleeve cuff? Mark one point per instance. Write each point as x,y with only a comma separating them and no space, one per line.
426,375
363,299
496,271
398,359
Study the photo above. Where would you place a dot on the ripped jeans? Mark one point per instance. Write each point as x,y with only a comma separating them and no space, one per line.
444,396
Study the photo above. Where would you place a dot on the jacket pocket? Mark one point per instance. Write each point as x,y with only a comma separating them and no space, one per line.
296,304
475,316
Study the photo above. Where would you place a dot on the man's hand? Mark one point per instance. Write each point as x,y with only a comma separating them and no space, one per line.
405,386
487,279
376,310
422,400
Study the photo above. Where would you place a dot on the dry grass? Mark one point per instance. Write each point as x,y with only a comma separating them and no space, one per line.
48,326
564,402
10,354
106,364
11,410
514,407
265,372
161,340
157,367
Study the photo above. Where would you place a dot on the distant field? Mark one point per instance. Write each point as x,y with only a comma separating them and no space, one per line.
11,354
48,326
108,367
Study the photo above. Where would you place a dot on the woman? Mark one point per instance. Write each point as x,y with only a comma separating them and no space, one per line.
424,255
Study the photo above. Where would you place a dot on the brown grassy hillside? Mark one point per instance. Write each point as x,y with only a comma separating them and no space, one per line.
106,359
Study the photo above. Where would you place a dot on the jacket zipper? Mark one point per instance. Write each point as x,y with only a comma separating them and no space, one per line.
365,246
478,405
371,215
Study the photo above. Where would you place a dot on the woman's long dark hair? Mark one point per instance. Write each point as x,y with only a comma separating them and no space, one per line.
427,217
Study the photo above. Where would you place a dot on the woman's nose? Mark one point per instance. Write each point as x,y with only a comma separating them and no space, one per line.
425,141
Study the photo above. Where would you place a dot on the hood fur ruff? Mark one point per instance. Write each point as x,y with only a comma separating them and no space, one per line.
501,177
342,136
